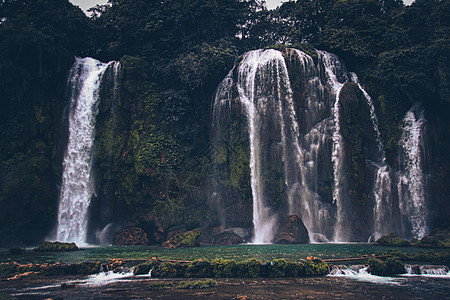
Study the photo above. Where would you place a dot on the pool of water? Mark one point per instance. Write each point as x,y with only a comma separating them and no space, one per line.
237,252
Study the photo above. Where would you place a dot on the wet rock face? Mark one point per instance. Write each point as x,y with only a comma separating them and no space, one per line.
131,237
293,231
358,151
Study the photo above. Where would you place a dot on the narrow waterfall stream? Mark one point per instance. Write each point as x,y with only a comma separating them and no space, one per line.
77,186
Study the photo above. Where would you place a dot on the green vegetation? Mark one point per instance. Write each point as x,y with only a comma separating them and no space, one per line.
392,266
422,257
252,268
199,284
392,240
438,238
47,246
152,150
182,240
11,269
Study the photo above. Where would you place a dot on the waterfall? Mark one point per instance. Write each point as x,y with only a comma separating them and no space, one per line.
331,62
411,179
382,186
297,118
77,187
253,74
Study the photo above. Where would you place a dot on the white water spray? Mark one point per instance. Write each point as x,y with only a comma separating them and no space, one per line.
411,181
77,187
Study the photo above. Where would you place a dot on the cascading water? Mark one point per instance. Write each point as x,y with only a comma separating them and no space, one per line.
253,97
411,178
383,182
301,153
77,187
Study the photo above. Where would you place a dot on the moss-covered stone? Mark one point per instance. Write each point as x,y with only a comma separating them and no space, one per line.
392,240
376,267
438,238
182,240
47,246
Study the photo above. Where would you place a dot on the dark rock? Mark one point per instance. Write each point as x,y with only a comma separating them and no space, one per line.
131,237
293,231
153,227
176,230
65,286
47,246
182,240
16,250
227,238
392,240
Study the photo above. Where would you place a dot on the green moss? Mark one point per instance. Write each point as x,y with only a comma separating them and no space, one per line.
183,240
200,268
47,246
199,284
392,240
225,268
249,268
160,285
376,267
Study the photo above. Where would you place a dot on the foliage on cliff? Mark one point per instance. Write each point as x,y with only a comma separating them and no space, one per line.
152,142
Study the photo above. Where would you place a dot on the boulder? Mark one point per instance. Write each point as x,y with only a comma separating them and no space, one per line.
227,238
293,231
47,246
438,238
392,240
183,240
131,237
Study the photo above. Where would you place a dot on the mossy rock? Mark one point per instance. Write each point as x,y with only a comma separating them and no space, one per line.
376,267
47,246
392,240
438,238
183,240
392,266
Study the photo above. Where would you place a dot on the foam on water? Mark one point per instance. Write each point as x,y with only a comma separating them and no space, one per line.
361,274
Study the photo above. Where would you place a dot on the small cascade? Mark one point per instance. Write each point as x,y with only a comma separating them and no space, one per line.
360,273
432,271
411,178
77,187
383,182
